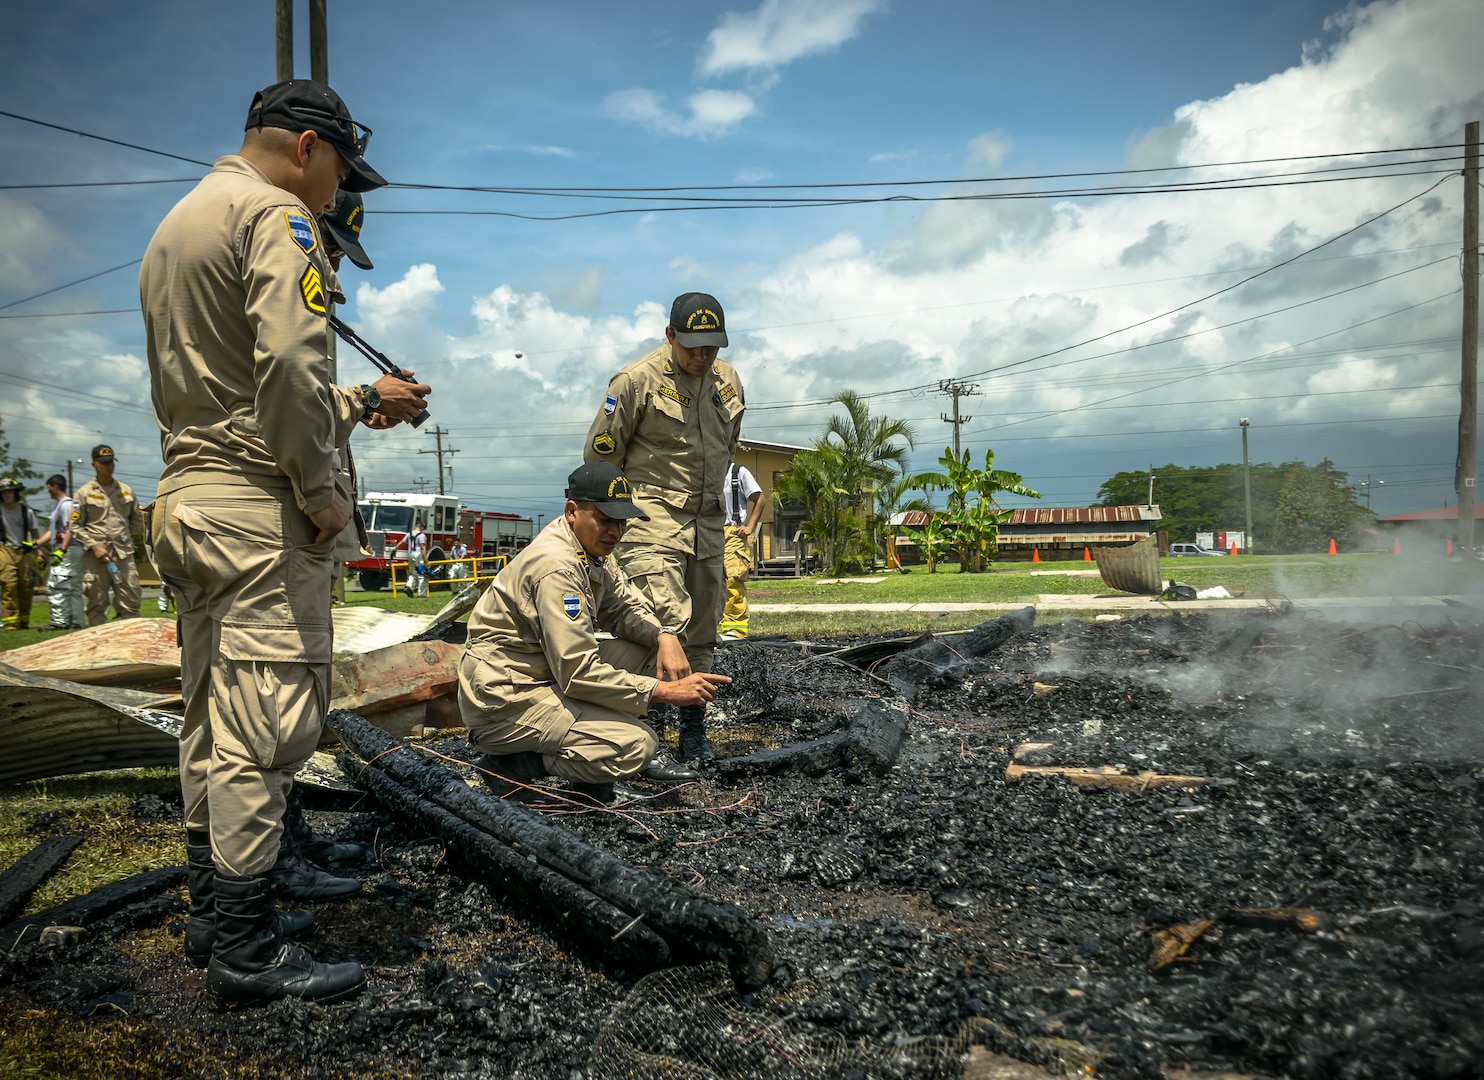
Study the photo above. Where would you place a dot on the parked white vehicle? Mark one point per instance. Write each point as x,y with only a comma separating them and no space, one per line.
1179,550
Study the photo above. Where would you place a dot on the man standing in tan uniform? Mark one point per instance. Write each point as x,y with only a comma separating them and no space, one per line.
105,519
539,692
671,422
234,298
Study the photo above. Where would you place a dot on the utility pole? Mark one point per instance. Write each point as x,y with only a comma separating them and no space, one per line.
1151,485
958,390
285,40
1247,487
319,48
1468,405
438,433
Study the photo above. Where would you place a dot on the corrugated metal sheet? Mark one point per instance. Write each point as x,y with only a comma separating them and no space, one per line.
1054,515
1081,515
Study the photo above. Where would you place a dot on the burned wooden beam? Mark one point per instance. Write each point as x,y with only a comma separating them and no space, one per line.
94,906
938,661
616,934
870,745
694,927
1105,776
26,874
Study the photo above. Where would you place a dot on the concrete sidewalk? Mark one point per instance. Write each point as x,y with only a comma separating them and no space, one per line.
1370,606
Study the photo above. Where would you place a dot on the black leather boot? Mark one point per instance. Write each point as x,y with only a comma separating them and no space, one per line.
694,746
664,769
508,776
316,848
296,878
200,933
250,962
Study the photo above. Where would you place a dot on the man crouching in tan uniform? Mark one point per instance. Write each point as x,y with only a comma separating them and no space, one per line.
539,692
234,296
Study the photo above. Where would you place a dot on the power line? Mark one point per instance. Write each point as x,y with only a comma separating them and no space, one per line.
68,285
103,138
70,314
1164,314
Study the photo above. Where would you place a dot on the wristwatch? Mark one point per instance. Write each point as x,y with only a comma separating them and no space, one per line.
370,399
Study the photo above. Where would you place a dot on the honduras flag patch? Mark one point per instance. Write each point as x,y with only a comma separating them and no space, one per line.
301,230
609,404
572,604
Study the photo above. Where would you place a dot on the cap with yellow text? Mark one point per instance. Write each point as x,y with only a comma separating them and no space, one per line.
698,321
602,484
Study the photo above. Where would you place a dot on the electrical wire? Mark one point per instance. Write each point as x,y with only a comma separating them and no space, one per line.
68,285
103,138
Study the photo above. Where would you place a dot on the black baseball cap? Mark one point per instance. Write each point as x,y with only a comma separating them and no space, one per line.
698,320
306,105
344,226
601,484
102,452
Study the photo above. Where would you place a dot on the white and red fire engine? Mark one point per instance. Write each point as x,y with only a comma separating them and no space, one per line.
389,517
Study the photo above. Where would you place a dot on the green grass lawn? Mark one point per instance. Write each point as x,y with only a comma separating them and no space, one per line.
1291,575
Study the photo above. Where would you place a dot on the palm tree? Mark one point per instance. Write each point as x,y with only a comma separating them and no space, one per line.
873,452
846,474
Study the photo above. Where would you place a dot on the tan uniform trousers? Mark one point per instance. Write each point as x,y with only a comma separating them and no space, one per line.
252,592
738,560
15,586
578,740
687,594
96,581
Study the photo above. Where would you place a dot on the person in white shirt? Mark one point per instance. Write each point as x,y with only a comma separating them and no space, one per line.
743,500
64,582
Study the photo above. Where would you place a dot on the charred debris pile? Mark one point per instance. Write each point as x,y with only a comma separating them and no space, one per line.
1242,843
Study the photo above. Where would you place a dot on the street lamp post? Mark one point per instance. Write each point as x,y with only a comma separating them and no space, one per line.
1247,487
1366,483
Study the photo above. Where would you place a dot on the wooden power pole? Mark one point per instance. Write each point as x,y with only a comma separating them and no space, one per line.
1468,406
958,390
438,434
319,43
285,40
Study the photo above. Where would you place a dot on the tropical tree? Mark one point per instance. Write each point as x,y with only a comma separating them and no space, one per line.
892,498
933,540
842,480
973,514
18,468
1315,505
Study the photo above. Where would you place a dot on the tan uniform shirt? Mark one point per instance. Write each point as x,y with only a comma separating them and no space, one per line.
234,294
536,625
673,436
106,515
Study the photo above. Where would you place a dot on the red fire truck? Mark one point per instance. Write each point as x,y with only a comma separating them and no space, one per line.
389,517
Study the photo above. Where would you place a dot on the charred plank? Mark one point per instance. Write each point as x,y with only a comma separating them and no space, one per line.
694,927
27,873
571,909
938,662
95,906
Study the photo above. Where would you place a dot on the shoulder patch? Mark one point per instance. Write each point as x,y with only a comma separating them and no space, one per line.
572,605
603,443
302,230
313,289
609,404
77,515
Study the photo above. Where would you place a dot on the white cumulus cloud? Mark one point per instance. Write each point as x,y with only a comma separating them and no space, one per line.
779,32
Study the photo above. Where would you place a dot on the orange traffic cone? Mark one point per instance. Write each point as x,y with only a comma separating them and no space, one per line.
1332,550
1035,555
1087,554
1233,551
1450,546
1396,546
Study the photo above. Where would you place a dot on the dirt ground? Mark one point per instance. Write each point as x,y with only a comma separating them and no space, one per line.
1316,900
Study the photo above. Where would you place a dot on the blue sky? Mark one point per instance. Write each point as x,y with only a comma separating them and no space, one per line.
884,298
